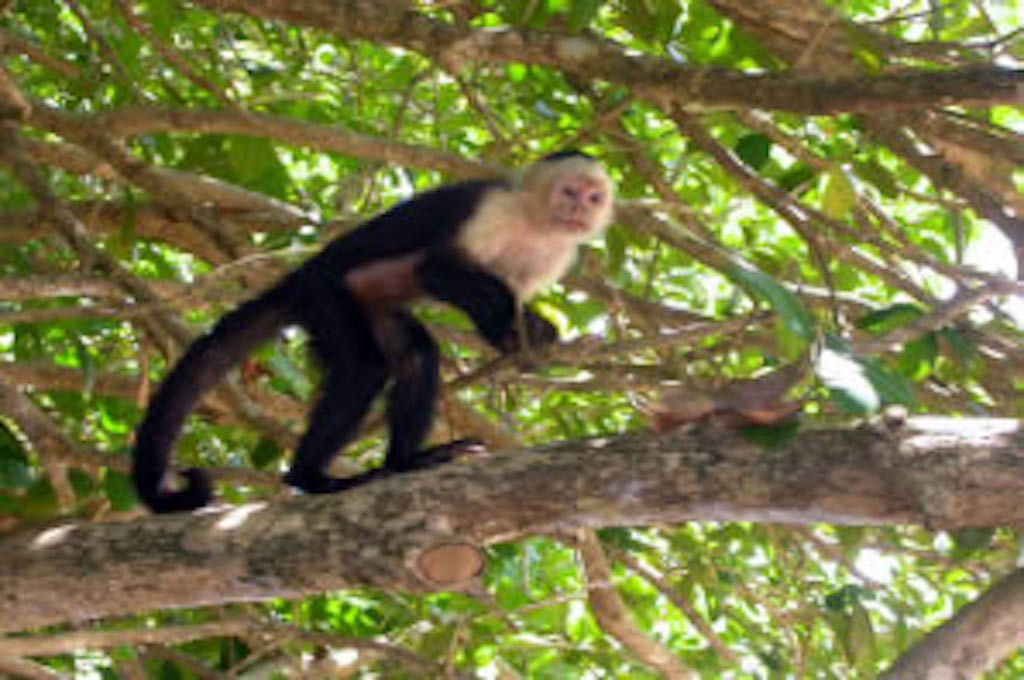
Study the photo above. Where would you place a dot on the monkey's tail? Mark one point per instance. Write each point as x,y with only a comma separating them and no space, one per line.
202,366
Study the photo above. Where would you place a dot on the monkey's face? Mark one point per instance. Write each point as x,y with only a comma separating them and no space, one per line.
579,204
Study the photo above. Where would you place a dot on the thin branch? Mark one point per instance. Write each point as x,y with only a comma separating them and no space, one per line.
80,640
85,639
942,315
945,175
682,604
100,39
170,55
49,442
799,216
613,615
12,44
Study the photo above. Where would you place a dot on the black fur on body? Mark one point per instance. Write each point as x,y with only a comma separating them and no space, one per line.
459,244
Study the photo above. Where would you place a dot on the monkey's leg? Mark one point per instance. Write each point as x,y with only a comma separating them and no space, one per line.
412,359
412,399
415,365
333,423
355,371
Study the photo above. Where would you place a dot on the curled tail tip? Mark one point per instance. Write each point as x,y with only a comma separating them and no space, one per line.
197,493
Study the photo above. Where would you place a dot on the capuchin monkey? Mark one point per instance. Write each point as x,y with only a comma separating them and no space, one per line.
482,246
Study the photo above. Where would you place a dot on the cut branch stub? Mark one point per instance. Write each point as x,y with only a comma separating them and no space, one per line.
450,563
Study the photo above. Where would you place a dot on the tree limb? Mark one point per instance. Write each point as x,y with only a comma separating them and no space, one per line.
661,80
614,617
980,637
942,473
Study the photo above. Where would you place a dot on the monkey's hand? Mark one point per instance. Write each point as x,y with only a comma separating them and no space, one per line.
539,331
532,332
488,301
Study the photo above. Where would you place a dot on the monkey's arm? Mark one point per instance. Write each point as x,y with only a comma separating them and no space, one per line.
488,301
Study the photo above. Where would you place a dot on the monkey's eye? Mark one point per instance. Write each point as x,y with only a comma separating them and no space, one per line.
596,198
569,192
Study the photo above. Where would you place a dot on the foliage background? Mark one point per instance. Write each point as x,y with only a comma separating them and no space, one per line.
247,142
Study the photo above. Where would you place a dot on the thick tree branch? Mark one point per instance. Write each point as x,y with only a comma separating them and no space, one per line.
661,80
15,667
806,33
980,637
129,122
148,220
941,473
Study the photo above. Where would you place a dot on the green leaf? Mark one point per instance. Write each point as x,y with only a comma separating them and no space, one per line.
772,436
971,540
622,538
120,490
850,538
9,506
797,176
39,502
891,387
859,385
754,150
668,12
917,359
582,13
889,318
81,482
848,383
615,244
964,349
839,196
638,19
291,375
876,174
111,422
516,72
860,642
14,463
164,16
866,47
793,314
256,165
14,475
265,454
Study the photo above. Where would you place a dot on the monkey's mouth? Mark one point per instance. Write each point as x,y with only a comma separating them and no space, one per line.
571,224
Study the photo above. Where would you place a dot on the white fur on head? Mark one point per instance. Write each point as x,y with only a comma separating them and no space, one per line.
528,235
539,180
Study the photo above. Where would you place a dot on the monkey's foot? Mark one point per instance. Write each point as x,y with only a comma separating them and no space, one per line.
445,453
320,483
